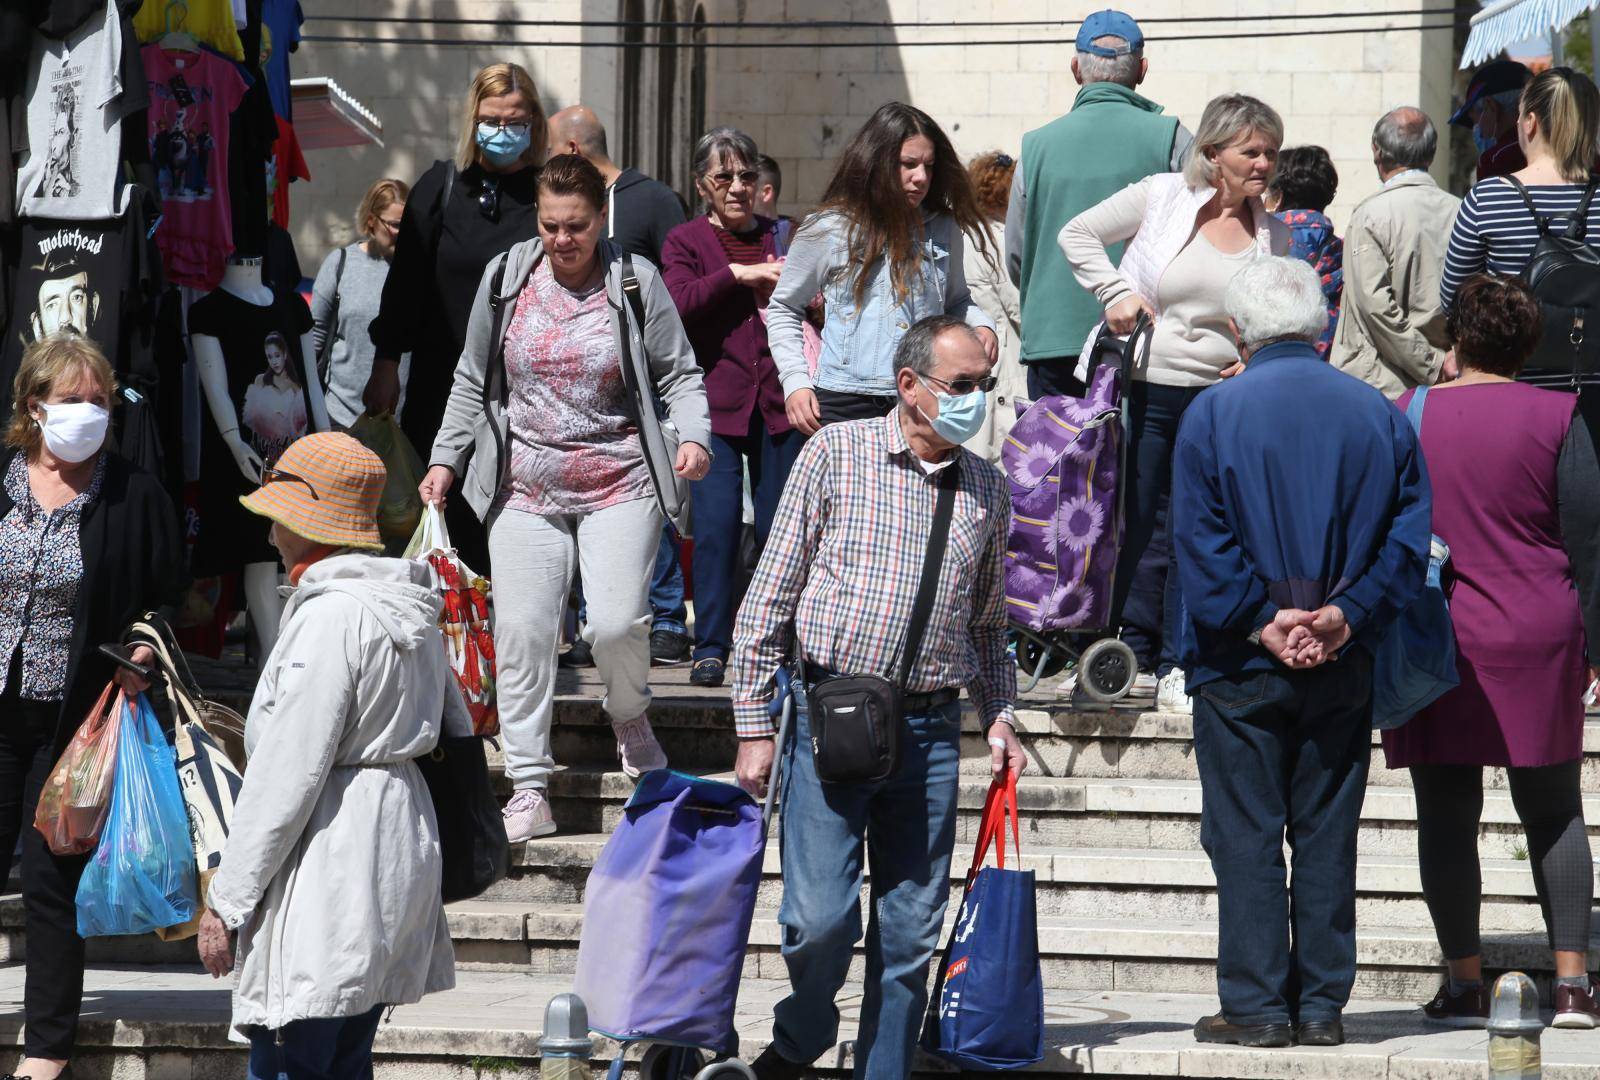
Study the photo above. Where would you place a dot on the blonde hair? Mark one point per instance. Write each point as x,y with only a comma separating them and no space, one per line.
497,80
1228,119
46,364
379,197
1567,106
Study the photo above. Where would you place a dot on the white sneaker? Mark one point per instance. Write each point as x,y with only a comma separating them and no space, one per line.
1170,697
637,746
528,815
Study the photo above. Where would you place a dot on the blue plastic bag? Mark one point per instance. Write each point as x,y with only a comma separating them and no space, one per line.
987,1009
142,876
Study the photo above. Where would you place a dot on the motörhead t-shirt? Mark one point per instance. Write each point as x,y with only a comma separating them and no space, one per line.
74,140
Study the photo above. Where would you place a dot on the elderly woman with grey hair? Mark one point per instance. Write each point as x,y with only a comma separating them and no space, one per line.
720,268
1190,232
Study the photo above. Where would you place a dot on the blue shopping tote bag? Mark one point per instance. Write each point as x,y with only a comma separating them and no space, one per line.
987,1009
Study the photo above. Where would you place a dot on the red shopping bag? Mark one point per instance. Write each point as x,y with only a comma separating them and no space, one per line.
77,796
465,620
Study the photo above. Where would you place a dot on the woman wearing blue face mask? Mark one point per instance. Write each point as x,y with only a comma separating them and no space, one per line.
88,543
461,214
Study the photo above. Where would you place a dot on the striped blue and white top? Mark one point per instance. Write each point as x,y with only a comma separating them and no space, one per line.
1494,232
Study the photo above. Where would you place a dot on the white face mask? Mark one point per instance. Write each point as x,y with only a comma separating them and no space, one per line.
74,432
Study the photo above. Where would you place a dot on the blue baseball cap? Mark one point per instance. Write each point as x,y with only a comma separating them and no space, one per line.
1109,23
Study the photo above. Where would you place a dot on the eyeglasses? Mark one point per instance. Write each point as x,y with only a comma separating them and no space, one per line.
960,387
392,226
723,179
489,198
273,476
516,128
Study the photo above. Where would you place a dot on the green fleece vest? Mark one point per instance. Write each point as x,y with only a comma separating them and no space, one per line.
1113,137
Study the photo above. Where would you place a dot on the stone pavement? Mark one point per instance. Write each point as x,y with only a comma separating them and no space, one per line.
168,1024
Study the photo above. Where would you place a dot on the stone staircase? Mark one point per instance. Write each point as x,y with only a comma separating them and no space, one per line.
1111,819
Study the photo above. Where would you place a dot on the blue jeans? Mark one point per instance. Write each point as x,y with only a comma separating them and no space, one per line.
718,514
1154,413
338,1048
666,587
1283,754
912,821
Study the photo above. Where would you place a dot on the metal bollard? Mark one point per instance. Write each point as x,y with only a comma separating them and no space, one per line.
564,1047
1514,1029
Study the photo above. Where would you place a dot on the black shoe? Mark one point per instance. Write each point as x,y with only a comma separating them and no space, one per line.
772,1065
669,647
708,672
1217,1029
578,656
1320,1033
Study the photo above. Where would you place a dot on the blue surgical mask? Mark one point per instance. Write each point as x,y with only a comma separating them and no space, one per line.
1483,142
500,146
960,416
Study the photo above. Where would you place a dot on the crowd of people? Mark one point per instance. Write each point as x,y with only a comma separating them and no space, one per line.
590,371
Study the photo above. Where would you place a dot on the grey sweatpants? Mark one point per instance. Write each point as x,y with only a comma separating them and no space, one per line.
534,556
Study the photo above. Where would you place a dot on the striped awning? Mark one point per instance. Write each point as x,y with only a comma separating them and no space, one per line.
1507,22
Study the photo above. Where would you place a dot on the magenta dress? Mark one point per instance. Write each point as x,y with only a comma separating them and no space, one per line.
1492,451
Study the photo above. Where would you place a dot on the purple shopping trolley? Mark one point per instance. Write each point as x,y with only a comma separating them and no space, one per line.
1065,461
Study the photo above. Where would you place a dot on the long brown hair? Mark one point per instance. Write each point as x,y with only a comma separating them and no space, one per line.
1567,107
866,192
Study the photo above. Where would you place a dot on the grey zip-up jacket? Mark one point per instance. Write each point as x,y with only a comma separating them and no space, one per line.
474,439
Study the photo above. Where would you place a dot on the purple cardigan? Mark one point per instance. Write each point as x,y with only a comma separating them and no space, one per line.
727,332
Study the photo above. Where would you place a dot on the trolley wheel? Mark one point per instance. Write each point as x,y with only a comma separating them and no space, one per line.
1107,670
1030,650
671,1063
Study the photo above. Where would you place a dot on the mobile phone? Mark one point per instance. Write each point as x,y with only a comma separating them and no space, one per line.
123,657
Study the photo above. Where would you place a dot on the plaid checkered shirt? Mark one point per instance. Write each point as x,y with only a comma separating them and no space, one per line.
841,567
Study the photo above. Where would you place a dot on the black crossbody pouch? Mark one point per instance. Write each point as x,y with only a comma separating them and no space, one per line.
855,719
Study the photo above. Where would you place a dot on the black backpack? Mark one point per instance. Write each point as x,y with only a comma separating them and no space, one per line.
1564,273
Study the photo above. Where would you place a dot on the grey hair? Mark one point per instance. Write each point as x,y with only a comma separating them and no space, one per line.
1405,139
723,143
1123,70
1228,119
915,350
1276,299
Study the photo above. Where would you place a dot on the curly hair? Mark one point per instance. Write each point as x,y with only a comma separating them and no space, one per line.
991,182
1305,178
1495,324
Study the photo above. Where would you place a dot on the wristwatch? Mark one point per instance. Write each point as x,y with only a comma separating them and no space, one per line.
1255,635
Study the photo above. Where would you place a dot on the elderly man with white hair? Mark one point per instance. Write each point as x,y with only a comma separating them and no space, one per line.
1302,517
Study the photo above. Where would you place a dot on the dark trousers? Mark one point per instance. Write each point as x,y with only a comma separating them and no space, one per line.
718,514
1154,413
1053,376
338,1048
835,405
1283,754
54,981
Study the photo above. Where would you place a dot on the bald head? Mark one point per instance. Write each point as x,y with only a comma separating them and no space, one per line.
578,130
1404,139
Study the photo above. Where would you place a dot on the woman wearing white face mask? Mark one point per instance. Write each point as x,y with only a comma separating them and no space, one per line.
88,543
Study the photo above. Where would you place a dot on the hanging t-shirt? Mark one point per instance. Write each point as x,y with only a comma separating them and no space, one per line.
71,167
266,382
191,98
207,21
287,164
280,36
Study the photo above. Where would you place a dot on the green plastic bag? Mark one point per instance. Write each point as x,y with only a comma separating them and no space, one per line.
400,509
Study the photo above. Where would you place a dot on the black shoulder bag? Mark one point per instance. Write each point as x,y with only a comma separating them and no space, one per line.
855,719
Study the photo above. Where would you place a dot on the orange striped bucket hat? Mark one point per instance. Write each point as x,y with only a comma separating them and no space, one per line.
324,487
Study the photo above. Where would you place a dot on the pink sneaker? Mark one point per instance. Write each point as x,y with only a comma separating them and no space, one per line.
637,745
528,815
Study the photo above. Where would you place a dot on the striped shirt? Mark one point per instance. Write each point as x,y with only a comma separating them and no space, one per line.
1494,232
841,567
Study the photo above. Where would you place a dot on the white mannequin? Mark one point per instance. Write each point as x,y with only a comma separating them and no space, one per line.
242,278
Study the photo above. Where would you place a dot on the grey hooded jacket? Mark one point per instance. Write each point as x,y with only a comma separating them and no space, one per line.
474,439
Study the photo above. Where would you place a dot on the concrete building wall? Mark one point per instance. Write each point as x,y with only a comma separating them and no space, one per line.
802,104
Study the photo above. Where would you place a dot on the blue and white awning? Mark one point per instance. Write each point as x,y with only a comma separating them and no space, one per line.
1510,21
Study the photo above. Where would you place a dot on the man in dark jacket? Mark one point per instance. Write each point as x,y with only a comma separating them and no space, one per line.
1299,536
639,214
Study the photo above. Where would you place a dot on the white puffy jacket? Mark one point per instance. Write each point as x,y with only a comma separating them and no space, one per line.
331,873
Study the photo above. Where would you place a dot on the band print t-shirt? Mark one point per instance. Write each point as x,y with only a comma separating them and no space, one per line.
71,168
192,96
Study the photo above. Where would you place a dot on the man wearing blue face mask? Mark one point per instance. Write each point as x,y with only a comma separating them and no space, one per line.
836,593
1490,109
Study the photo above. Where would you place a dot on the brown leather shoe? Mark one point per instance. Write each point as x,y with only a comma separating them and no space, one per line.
1577,1007
1469,1009
1217,1029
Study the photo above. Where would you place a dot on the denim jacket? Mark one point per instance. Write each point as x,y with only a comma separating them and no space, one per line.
859,341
